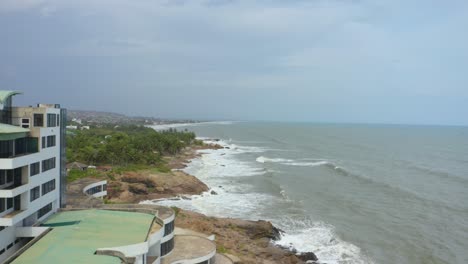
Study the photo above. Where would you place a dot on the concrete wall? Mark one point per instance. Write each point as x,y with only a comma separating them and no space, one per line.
99,194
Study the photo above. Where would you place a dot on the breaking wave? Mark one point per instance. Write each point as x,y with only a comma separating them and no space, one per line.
290,162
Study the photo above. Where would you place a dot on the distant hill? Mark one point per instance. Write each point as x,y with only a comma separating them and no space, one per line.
96,117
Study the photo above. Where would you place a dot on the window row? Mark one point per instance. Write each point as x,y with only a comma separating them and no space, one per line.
9,245
53,120
44,210
48,187
167,247
48,164
96,189
168,228
5,204
49,141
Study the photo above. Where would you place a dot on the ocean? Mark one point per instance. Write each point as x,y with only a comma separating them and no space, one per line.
348,193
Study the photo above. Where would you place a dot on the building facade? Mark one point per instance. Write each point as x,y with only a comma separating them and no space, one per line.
32,169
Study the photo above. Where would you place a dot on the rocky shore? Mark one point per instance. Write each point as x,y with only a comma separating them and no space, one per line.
150,184
245,241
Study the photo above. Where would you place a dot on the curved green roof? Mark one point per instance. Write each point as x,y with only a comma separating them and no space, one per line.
76,236
4,95
9,132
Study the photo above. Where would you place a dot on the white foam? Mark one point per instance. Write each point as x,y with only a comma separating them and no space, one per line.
321,239
219,169
308,164
263,159
178,125
291,162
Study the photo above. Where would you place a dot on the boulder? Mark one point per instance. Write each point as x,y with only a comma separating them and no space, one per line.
138,188
307,256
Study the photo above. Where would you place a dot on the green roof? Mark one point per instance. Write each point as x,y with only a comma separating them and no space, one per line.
77,234
5,94
9,129
9,132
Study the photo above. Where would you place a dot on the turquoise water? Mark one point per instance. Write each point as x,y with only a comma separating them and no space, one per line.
350,193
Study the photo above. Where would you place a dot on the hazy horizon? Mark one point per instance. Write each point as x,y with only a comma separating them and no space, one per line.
386,62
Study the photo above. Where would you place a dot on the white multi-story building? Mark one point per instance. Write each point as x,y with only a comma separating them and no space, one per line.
32,169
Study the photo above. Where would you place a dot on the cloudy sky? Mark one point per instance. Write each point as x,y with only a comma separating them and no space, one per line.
385,61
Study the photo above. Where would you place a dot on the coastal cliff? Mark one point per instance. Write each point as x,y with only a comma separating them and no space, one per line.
243,241
248,242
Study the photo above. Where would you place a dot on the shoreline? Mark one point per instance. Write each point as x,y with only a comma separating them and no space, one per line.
264,232
245,240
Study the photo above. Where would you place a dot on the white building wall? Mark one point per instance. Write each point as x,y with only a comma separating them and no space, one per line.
29,209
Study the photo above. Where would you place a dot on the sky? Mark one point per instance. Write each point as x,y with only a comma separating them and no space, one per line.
376,61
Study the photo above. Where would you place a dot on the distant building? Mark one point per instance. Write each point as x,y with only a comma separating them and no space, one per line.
77,166
77,120
32,169
85,127
72,127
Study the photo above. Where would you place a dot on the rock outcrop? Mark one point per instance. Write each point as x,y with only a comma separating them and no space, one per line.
250,241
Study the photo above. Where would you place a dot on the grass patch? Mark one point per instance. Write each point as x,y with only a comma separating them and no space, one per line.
74,175
221,249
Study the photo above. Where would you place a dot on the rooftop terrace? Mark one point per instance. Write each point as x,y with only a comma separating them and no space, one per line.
77,234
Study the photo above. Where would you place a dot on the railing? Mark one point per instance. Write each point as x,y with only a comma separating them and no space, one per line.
18,147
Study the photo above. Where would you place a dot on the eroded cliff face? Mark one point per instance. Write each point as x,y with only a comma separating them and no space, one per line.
136,186
133,187
250,241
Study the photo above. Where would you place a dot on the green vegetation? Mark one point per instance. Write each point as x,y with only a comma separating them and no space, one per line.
221,249
125,148
74,175
126,145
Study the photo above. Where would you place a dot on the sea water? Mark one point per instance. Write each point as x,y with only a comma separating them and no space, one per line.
348,193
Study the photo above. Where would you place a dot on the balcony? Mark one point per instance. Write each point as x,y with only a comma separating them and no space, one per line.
13,183
18,147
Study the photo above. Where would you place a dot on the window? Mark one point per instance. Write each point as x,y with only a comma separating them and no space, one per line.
58,120
34,169
2,205
51,120
167,247
43,142
9,203
38,120
6,177
9,176
25,122
44,210
9,246
96,189
168,228
35,193
48,187
51,141
2,251
48,164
